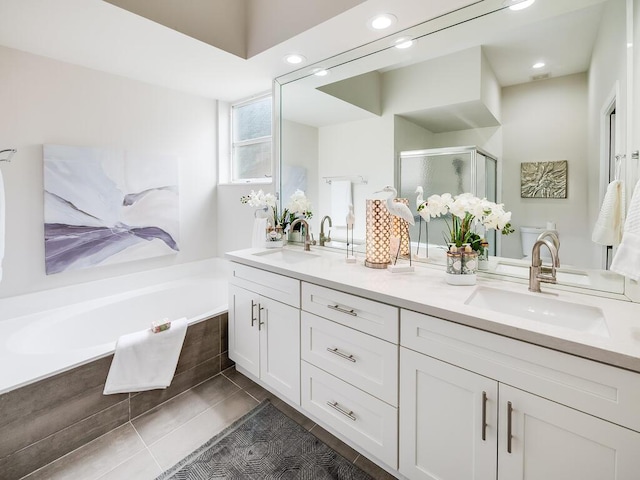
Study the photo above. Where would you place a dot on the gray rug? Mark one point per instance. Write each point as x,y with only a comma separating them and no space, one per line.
264,444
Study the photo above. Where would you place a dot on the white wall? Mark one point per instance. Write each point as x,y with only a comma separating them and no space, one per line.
47,101
356,148
547,121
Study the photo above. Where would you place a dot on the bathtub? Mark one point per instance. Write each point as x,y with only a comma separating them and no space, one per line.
46,333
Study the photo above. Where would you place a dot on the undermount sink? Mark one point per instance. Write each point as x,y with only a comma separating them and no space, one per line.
539,308
286,256
576,278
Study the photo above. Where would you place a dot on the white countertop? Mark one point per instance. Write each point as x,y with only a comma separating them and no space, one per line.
426,291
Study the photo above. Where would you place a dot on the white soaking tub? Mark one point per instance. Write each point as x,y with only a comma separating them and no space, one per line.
48,332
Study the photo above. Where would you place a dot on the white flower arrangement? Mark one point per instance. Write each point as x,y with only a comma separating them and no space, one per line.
466,211
298,207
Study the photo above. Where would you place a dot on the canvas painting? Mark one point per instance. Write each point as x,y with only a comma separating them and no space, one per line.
543,179
105,206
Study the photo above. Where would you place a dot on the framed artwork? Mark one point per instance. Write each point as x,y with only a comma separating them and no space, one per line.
105,206
543,179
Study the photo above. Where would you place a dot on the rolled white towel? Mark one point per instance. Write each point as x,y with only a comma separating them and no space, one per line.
626,261
259,233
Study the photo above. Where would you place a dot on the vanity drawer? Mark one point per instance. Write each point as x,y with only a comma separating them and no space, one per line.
363,419
367,362
601,390
368,316
277,287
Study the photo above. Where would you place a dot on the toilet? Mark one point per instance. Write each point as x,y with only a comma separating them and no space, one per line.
529,235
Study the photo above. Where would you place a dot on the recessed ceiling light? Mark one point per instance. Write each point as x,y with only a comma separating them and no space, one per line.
294,58
519,4
404,42
538,65
320,72
382,21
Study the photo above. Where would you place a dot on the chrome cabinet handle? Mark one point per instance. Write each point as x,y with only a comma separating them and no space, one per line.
260,322
509,414
343,310
484,416
253,318
337,407
337,352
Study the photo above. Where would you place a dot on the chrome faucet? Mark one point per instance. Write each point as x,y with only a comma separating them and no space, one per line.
324,239
554,238
539,273
305,225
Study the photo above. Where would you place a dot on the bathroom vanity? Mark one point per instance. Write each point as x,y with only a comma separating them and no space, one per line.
434,381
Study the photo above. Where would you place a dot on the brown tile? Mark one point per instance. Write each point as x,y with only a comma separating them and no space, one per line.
338,445
171,448
302,420
201,343
372,469
224,332
144,401
165,418
141,466
54,390
96,458
225,361
239,379
260,393
22,431
60,443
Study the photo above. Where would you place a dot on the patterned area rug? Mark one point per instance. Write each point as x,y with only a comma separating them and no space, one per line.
264,444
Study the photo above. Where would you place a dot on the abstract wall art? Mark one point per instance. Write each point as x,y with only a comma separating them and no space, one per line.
105,206
543,179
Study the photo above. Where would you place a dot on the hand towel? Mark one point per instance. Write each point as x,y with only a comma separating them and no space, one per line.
259,232
146,360
2,222
626,261
340,200
608,227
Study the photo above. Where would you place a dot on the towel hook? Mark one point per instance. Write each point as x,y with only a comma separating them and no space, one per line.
10,151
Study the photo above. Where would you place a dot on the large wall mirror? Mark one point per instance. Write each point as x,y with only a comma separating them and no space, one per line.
468,82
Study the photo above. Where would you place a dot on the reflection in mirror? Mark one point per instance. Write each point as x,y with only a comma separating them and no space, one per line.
473,83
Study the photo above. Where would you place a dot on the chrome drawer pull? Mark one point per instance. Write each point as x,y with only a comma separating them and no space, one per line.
484,416
337,407
509,428
253,318
343,310
340,354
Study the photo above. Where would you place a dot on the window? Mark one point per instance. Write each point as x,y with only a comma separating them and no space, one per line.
251,140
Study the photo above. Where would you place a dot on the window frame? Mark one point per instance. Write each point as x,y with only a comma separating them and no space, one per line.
253,141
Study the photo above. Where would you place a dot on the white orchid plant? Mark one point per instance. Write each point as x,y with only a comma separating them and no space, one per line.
466,211
298,207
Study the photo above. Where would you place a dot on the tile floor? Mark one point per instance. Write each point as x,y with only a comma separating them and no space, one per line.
151,443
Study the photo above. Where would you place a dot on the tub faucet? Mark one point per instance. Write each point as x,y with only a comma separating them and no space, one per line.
305,225
539,273
554,238
324,239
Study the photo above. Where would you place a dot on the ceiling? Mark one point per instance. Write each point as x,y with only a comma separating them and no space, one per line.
105,37
562,34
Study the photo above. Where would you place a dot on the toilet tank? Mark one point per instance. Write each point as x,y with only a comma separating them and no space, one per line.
529,235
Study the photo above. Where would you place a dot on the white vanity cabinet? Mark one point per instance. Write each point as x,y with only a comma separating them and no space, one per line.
460,419
350,368
264,332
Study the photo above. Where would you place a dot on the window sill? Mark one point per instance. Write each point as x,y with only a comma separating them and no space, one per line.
247,183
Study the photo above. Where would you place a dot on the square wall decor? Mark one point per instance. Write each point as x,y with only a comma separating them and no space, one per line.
105,206
543,179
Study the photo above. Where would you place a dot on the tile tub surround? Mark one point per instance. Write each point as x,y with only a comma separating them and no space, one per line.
48,419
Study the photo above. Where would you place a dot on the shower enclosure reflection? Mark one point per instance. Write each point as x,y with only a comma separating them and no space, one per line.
453,170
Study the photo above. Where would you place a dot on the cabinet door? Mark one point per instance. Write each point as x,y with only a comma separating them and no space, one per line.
448,421
550,441
280,347
244,340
